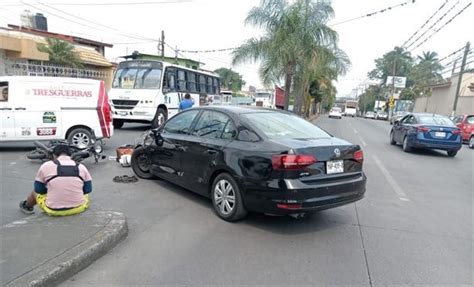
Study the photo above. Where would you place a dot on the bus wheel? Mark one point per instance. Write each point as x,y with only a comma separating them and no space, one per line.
118,124
160,117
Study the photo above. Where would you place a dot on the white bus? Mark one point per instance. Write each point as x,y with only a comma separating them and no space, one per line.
147,91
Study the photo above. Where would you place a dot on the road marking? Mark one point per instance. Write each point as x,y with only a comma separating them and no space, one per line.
393,183
362,140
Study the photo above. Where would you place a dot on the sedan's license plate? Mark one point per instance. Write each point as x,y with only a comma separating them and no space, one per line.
440,134
335,166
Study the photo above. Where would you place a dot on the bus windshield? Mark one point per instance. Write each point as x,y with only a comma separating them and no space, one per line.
137,78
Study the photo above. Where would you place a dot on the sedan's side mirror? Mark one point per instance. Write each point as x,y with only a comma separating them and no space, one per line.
397,122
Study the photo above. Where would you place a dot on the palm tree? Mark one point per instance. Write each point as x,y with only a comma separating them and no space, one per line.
397,62
60,52
295,39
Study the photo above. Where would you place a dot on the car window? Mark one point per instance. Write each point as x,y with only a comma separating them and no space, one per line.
277,125
458,119
405,120
435,120
212,124
181,123
470,120
411,120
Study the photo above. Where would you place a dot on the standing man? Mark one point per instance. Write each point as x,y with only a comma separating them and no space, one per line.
186,103
61,186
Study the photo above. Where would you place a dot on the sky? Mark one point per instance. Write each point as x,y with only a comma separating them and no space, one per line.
218,24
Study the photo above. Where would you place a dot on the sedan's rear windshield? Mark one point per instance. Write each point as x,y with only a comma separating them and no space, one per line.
276,125
435,120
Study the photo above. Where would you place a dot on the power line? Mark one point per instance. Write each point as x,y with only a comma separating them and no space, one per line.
444,25
128,35
374,13
434,24
452,54
424,24
209,51
107,4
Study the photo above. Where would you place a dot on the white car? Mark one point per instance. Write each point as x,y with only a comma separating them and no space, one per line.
335,113
370,115
54,108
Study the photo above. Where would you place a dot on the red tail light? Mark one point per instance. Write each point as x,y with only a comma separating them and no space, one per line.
289,206
456,132
422,129
292,161
359,155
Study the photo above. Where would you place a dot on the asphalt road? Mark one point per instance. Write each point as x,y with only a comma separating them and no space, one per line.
415,225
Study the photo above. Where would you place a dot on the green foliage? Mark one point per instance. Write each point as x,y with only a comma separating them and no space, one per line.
60,52
230,80
297,46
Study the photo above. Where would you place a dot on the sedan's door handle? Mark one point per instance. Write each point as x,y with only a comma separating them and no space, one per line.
6,109
20,109
211,151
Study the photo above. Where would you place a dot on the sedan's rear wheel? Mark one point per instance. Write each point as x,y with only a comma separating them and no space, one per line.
406,147
227,199
452,153
471,142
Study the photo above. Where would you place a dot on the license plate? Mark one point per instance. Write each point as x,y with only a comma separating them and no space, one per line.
335,166
122,113
440,134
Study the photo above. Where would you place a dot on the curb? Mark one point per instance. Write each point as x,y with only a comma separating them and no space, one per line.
62,267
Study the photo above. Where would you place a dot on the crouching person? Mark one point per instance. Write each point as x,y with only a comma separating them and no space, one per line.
61,186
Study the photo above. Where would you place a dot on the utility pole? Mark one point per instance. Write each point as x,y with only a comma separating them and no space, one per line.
390,111
162,43
458,88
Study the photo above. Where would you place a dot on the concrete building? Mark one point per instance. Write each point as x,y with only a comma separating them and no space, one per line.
19,55
442,99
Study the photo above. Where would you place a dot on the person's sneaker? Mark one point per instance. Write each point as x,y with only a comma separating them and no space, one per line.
25,209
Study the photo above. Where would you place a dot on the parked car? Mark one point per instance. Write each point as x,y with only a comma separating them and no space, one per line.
466,124
428,131
248,159
370,115
381,116
335,112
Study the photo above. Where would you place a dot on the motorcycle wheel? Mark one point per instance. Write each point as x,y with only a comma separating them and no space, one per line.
37,154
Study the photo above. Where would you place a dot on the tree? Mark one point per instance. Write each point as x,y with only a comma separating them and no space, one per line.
230,80
296,38
424,73
397,62
60,52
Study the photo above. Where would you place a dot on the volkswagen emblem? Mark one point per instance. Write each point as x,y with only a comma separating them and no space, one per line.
337,152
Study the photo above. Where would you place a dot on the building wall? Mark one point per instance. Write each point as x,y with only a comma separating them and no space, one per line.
3,59
442,98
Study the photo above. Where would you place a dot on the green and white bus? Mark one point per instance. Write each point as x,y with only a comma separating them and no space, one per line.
147,91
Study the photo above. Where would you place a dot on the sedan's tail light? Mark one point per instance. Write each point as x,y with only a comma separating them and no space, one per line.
456,132
292,161
422,129
359,155
289,206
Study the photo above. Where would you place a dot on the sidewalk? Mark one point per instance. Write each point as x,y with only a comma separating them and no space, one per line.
44,251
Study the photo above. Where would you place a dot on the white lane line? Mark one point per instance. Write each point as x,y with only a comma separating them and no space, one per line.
393,183
362,140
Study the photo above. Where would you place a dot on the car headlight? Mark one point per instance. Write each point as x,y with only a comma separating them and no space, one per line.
97,147
149,139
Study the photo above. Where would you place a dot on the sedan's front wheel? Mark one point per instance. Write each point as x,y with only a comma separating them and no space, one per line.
392,138
227,199
471,142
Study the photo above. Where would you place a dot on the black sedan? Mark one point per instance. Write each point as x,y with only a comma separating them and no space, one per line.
249,159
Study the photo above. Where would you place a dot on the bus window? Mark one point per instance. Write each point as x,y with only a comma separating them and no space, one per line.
209,85
202,83
216,86
170,80
181,81
4,91
148,79
191,82
117,78
127,79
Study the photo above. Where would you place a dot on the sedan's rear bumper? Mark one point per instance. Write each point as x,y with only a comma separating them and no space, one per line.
432,144
294,196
